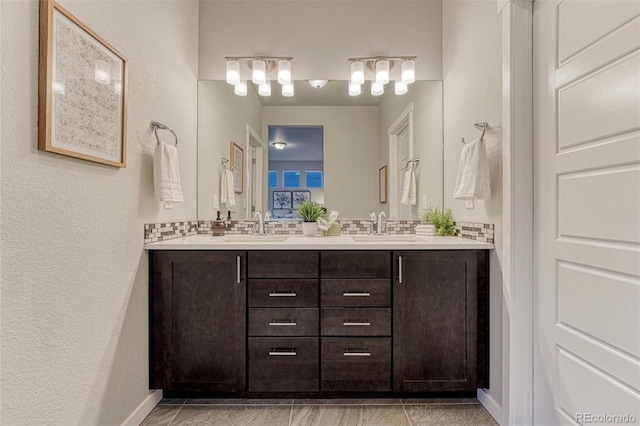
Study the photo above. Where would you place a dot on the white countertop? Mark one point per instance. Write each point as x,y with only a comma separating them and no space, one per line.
299,242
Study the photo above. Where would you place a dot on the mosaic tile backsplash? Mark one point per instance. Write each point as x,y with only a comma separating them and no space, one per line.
476,231
154,232
166,231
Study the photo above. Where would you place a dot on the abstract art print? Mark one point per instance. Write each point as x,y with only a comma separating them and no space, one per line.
300,197
82,90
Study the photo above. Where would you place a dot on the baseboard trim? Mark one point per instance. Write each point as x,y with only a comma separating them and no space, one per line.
491,405
143,410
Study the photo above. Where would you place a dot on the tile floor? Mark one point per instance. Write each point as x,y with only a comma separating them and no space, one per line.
319,412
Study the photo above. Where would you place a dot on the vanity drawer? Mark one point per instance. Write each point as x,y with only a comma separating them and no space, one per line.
356,322
283,321
283,293
283,264
281,364
355,292
355,264
356,364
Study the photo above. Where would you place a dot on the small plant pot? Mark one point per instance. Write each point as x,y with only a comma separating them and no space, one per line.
309,229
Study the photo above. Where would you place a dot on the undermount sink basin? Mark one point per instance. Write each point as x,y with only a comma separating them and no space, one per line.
384,238
256,238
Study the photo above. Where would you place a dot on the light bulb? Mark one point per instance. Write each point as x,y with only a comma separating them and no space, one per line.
400,88
102,72
240,89
357,72
382,72
233,72
408,71
259,74
287,90
377,88
284,72
265,89
354,89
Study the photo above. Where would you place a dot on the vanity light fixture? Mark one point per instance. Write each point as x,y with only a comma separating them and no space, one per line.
354,89
264,89
240,89
381,67
287,90
260,67
377,88
279,145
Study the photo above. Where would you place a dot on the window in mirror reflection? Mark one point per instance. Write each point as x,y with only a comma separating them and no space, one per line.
291,179
313,179
273,178
298,166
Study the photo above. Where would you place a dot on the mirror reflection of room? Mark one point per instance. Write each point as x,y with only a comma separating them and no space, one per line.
296,168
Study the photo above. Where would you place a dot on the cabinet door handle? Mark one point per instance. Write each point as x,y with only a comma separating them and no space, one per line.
283,352
399,269
282,294
356,352
351,322
283,322
356,294
238,269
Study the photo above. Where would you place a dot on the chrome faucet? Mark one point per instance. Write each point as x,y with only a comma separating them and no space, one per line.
258,214
381,228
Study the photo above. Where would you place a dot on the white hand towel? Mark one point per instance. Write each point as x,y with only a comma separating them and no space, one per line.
227,194
166,173
473,173
409,188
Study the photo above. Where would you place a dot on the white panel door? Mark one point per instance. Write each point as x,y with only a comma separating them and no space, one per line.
587,212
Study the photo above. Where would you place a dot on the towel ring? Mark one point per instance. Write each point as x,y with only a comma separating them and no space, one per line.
155,126
483,127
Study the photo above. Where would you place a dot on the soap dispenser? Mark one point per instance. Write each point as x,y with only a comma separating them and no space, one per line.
218,226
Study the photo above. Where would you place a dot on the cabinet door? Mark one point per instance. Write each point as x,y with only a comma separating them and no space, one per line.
435,321
198,312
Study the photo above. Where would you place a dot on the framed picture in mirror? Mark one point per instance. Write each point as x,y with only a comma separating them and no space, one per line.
382,184
300,197
237,165
281,200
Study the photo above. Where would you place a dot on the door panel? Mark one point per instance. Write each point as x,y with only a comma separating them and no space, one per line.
587,209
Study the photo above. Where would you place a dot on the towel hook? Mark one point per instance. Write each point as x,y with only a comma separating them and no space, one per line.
414,162
155,126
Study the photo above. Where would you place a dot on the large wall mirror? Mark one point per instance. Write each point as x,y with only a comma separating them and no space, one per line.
335,146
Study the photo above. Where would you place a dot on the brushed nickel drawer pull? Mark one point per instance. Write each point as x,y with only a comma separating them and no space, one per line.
356,352
283,352
399,269
238,270
351,322
356,294
283,322
282,294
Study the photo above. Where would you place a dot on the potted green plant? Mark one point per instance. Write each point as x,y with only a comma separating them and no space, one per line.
310,211
442,219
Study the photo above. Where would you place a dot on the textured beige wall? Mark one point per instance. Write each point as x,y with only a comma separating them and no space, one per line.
321,35
472,72
74,273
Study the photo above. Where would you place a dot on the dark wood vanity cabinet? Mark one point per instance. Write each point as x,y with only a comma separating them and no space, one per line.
319,322
440,331
197,321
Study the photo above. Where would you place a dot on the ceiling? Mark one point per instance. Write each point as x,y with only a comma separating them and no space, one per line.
304,143
335,93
